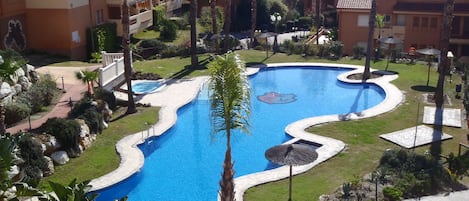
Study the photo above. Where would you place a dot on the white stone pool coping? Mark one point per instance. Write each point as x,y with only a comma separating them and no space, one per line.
178,93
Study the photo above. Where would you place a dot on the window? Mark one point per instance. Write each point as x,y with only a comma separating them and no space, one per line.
400,20
415,22
99,17
433,23
387,19
363,20
424,23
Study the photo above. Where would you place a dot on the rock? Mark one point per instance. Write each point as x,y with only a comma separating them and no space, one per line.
24,82
17,88
50,143
15,76
86,142
60,157
5,90
50,167
14,171
85,130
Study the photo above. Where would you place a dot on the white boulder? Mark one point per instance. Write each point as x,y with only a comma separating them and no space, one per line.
60,157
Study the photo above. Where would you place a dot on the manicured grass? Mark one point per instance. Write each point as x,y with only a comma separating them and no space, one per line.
101,157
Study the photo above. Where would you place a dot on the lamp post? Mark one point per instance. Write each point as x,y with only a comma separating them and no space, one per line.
276,18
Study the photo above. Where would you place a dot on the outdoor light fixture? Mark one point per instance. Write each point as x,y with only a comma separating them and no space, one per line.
276,18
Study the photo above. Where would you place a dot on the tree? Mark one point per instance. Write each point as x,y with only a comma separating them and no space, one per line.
213,12
379,24
253,20
10,61
371,29
87,77
72,192
227,26
230,109
444,45
193,22
131,108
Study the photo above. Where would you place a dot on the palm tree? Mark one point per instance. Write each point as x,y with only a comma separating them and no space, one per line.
318,2
230,109
213,13
10,61
87,77
371,29
379,24
193,22
253,20
131,108
227,26
72,192
444,45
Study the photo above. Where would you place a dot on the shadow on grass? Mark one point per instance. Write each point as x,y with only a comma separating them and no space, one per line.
423,88
188,69
385,72
256,65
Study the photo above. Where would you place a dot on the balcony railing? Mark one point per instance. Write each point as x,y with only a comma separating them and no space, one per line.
137,22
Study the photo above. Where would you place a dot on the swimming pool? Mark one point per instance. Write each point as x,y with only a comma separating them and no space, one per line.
145,86
185,162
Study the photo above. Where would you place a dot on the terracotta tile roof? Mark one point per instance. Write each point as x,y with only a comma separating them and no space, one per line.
354,4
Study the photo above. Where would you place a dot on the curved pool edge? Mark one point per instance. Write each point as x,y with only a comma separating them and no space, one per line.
186,90
131,157
330,146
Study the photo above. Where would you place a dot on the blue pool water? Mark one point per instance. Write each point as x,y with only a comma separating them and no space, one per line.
186,162
145,86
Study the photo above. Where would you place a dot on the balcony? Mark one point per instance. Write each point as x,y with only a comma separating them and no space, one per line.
394,31
137,22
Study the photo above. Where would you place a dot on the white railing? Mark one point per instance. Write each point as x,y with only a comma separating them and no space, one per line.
112,72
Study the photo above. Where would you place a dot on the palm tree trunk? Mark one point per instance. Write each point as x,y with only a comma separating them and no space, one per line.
193,21
131,108
253,21
318,2
227,180
213,12
444,45
371,30
227,26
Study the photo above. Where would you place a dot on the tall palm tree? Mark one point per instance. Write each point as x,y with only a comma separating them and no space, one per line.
444,45
379,24
131,108
371,29
253,20
87,77
213,13
227,26
230,109
193,22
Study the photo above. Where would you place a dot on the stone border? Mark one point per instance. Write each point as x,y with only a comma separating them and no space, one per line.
186,90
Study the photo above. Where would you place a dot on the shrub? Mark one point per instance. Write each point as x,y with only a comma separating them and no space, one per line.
80,107
151,47
66,131
392,194
107,96
34,161
173,51
15,112
168,30
358,52
158,16
93,119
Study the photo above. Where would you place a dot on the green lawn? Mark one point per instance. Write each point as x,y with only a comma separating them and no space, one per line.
101,157
360,157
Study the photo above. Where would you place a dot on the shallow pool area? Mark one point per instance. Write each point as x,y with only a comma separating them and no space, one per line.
185,162
145,86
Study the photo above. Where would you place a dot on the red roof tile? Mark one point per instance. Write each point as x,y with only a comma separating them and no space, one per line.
354,4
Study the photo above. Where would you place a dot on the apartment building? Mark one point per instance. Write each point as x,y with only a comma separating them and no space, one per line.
416,22
60,26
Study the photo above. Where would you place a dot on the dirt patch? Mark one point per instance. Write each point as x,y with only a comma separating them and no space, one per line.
359,76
